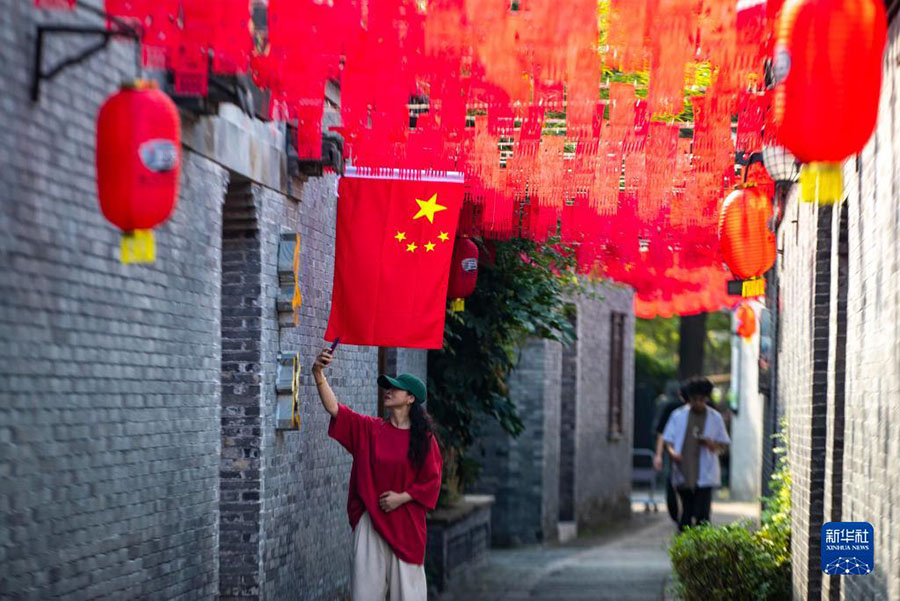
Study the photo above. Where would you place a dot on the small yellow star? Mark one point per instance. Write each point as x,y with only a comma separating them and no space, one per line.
411,247
427,208
444,237
401,236
429,247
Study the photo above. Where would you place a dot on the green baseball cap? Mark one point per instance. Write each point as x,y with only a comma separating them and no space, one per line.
407,382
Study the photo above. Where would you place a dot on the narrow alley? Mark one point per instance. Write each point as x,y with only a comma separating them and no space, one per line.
627,562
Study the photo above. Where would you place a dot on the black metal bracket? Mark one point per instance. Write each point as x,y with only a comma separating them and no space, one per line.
332,155
39,74
222,88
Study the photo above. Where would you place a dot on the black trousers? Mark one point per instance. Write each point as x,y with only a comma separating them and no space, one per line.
672,501
695,505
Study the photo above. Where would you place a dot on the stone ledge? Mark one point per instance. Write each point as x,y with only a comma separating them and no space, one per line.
458,536
455,513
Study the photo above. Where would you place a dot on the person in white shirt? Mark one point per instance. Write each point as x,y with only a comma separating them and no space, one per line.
694,436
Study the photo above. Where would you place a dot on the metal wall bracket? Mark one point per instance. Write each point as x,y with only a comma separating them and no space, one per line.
332,156
39,74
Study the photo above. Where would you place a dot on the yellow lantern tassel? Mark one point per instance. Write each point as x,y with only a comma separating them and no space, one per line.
457,305
821,182
138,246
754,287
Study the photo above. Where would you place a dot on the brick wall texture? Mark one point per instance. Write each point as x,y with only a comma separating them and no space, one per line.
602,462
525,473
109,374
838,366
140,453
140,457
521,472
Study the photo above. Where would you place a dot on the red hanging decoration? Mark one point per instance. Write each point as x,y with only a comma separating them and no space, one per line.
673,42
752,109
463,273
528,76
746,318
748,245
628,21
828,63
231,41
138,162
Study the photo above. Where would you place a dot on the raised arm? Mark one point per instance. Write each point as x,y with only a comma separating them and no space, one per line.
329,401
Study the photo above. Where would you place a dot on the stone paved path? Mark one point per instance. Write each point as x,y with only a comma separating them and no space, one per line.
628,563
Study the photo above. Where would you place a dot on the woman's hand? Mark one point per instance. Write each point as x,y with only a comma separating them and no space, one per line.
390,500
322,361
676,457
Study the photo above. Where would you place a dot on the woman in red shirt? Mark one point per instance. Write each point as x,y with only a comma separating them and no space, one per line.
395,479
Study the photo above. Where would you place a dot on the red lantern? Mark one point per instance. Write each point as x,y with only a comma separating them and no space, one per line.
138,162
827,66
746,318
747,243
463,272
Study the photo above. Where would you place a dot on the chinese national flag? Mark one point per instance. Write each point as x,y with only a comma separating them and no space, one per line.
392,259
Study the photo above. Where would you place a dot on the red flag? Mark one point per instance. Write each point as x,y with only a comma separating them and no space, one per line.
392,258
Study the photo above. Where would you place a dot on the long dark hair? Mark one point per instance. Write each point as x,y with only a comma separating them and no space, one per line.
421,429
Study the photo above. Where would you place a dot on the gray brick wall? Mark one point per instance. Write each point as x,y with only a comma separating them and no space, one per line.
525,474
109,374
111,418
836,397
522,472
843,417
549,431
871,474
568,407
773,408
242,395
306,542
602,463
795,360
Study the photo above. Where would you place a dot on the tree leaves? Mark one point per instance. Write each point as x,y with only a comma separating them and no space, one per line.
520,293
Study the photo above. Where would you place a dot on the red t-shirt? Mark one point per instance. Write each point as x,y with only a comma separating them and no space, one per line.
380,465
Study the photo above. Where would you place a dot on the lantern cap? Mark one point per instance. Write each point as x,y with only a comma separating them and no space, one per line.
139,84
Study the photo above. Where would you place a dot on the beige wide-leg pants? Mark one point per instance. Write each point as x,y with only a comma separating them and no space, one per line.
377,571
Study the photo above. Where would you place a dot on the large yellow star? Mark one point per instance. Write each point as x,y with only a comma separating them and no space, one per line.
427,208
444,237
401,236
411,247
429,247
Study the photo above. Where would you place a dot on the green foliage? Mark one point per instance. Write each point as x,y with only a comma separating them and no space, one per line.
657,340
519,294
776,515
727,563
656,344
717,354
733,562
650,370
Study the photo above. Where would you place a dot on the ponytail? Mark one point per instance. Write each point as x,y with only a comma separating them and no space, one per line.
421,430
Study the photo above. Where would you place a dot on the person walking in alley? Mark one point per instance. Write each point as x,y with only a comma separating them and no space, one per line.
694,436
666,403
395,479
